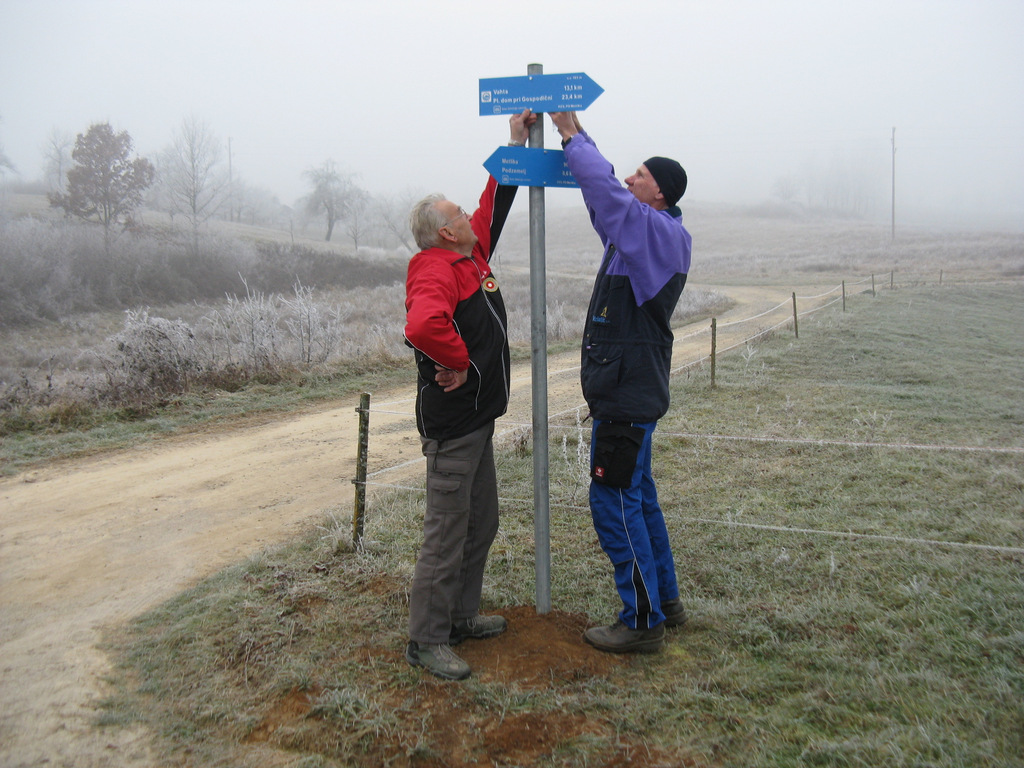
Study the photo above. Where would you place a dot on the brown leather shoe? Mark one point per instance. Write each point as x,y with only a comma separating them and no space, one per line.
675,614
618,638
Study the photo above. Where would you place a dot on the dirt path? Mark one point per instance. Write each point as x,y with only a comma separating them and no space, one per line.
92,543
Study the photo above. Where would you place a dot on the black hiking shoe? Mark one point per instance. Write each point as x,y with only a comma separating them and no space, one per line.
618,638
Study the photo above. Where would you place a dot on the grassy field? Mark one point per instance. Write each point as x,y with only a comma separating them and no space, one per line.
847,511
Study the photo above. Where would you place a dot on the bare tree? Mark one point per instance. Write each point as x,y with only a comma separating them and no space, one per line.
5,162
331,194
193,177
57,154
256,205
394,214
357,223
847,185
104,185
5,165
786,188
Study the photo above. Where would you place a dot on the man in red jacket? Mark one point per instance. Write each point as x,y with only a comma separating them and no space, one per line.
456,325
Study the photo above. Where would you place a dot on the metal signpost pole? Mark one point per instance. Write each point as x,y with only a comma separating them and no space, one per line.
539,358
537,168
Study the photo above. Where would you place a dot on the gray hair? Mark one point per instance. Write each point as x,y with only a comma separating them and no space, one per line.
425,220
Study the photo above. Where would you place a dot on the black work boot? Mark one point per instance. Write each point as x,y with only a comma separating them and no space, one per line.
675,614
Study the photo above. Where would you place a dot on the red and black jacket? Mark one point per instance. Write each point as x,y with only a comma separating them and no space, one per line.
455,317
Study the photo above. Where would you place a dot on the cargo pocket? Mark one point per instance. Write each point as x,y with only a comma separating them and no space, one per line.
600,376
616,447
445,480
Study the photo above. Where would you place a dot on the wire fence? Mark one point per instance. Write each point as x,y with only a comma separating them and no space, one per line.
749,329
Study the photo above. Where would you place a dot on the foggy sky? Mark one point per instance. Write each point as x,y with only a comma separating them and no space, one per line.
742,92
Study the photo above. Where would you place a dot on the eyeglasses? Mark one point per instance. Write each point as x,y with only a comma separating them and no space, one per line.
458,216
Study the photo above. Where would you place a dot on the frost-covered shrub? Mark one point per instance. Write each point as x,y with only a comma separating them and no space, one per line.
41,270
315,327
151,357
246,334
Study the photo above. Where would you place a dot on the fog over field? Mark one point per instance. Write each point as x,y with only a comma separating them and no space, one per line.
797,101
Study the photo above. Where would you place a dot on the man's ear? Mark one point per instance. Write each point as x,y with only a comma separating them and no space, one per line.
447,234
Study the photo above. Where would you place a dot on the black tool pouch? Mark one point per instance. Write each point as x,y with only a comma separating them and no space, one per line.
616,447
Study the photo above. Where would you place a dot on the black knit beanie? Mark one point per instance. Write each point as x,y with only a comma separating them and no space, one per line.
670,176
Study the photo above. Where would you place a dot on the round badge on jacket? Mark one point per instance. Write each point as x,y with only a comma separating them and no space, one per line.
490,284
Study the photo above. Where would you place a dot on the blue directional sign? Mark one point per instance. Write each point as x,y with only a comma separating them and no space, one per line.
530,167
541,93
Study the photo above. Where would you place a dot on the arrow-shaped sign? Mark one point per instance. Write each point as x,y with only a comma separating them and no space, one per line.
529,167
541,93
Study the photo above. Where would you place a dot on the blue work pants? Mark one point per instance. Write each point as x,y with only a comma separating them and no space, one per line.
631,529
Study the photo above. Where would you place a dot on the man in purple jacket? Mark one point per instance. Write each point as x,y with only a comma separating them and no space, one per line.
625,363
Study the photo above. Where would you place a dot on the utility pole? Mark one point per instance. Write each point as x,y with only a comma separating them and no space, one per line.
894,182
231,186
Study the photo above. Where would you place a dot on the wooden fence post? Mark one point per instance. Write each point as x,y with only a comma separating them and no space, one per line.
359,513
714,343
872,285
892,279
844,295
796,329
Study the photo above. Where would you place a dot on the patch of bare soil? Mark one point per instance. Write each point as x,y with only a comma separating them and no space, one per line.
537,653
538,650
89,544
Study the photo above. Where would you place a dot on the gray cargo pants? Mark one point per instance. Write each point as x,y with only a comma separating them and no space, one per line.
459,525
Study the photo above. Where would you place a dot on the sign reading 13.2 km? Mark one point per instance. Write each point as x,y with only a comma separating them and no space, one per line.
541,93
